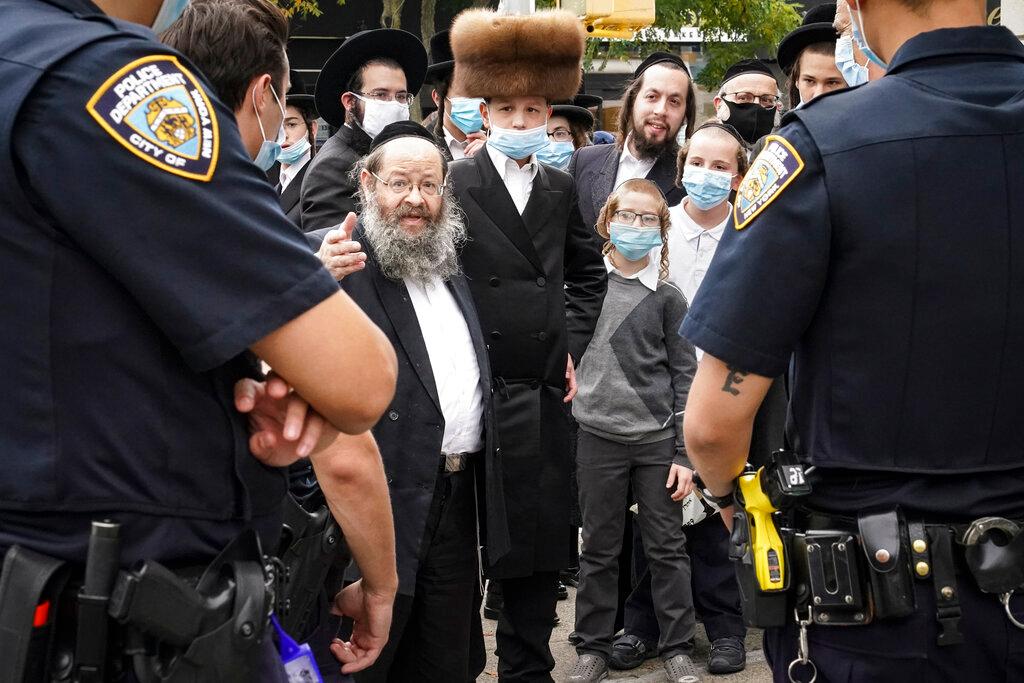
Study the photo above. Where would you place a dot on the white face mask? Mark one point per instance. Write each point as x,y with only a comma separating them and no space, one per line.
377,114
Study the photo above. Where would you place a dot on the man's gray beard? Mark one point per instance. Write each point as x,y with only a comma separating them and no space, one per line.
434,252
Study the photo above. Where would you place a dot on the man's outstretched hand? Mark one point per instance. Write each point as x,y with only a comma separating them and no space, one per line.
282,426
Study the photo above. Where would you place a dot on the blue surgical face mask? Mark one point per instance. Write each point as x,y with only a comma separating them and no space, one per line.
681,135
518,144
169,12
858,35
291,154
465,113
633,243
853,73
706,188
556,154
270,150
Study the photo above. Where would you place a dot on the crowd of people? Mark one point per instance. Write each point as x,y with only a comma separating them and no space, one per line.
497,353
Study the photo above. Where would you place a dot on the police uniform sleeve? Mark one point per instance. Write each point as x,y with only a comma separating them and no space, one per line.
764,283
134,163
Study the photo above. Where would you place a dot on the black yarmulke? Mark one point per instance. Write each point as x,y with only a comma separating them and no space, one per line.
401,129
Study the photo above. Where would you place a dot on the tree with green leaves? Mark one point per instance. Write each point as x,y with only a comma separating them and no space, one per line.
732,30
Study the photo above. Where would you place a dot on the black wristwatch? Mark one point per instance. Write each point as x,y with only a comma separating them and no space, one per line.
718,501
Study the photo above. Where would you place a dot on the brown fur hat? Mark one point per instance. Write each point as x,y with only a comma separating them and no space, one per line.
516,55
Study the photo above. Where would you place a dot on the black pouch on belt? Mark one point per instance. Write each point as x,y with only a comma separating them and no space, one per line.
996,560
884,540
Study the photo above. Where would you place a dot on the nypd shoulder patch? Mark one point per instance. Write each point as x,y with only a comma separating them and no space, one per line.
773,169
158,110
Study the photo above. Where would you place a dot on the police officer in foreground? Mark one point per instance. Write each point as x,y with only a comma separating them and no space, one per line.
884,223
143,257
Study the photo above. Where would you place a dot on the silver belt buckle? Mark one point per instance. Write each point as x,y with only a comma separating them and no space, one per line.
455,462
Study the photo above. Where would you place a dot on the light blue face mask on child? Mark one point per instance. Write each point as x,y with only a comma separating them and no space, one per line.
633,243
556,154
706,188
465,113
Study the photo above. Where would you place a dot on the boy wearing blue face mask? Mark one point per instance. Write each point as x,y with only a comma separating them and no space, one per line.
633,383
712,164
535,273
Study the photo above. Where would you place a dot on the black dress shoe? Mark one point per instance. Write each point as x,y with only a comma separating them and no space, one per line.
629,652
563,591
574,639
728,655
570,577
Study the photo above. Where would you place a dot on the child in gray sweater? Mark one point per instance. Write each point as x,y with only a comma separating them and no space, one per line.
633,382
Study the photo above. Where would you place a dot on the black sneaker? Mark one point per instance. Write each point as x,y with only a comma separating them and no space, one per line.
629,652
728,655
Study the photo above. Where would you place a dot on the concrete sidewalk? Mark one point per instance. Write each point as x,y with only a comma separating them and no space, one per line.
651,672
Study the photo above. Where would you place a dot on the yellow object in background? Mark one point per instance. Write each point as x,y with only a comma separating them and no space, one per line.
612,18
765,541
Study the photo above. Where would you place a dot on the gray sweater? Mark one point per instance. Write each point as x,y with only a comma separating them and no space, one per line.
635,376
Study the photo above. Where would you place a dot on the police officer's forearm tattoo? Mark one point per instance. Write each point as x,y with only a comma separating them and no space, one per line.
734,377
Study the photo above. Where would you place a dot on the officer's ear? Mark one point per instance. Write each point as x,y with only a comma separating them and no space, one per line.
261,93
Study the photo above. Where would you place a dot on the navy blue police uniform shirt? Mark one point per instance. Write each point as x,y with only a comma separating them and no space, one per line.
142,254
878,242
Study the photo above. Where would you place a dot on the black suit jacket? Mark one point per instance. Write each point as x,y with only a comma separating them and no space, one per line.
410,432
290,197
328,194
594,169
538,281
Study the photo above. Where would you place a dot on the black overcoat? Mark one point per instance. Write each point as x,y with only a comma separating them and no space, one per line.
538,281
328,190
409,433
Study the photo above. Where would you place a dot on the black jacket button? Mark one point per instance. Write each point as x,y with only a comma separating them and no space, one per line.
393,415
494,282
542,336
541,282
495,335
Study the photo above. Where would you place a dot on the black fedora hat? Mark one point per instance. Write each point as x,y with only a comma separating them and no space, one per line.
298,96
578,109
442,63
360,48
816,28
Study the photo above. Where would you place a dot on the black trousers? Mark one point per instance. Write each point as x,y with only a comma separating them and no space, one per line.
524,628
605,470
716,595
905,649
432,632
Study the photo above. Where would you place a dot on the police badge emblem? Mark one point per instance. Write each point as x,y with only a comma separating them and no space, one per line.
158,110
773,169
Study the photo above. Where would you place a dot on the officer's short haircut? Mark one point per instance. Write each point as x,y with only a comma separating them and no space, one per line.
233,42
629,99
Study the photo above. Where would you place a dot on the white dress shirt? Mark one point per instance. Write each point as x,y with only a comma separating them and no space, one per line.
453,364
648,275
630,167
458,149
519,181
690,249
289,171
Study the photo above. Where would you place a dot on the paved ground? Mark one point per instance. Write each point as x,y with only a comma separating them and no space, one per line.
650,672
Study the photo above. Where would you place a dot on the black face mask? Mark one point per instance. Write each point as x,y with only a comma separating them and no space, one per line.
752,121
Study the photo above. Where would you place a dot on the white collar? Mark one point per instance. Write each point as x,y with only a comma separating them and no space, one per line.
692,231
648,276
450,140
501,162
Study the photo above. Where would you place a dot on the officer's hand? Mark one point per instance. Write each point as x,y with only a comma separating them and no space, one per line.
682,479
475,143
372,616
340,255
570,381
282,427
